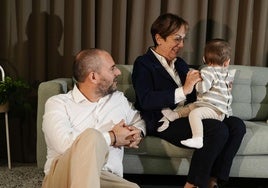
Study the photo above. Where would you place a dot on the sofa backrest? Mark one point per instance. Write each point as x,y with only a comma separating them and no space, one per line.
46,90
250,90
125,82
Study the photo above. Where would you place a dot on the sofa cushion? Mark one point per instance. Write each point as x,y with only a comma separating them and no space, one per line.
259,93
255,142
250,92
241,105
153,146
125,82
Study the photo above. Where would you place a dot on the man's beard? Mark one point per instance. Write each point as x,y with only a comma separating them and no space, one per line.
105,89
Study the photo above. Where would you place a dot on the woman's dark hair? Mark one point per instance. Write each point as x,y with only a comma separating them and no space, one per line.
167,24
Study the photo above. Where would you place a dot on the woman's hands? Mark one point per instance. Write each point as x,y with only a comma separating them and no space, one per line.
193,76
123,135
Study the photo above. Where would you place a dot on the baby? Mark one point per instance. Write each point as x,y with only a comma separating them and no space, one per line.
213,92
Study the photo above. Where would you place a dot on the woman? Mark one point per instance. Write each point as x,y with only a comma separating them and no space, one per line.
162,80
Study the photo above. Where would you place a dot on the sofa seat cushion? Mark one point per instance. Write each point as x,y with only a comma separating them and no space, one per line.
255,142
153,146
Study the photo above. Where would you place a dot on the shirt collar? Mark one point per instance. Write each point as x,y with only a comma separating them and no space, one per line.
79,97
163,60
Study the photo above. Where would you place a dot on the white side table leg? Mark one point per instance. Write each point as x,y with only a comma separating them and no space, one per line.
7,136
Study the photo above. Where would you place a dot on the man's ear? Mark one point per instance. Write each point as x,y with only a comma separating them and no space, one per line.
92,76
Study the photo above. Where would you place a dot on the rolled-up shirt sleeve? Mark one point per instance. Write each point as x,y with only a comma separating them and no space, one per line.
179,95
107,138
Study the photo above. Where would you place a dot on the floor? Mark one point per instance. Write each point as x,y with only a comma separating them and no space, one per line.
27,175
21,175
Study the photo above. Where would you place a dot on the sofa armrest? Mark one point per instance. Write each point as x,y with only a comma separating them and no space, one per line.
45,91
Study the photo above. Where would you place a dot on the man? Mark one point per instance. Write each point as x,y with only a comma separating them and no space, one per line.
87,128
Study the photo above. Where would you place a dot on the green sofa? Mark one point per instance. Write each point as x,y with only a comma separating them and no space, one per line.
156,156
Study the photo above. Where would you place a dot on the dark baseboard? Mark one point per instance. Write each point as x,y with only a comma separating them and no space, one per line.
147,179
176,180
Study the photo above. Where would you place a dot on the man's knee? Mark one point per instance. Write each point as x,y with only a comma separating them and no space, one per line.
90,136
90,141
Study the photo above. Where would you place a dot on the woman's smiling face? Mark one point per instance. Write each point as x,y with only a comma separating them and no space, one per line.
170,47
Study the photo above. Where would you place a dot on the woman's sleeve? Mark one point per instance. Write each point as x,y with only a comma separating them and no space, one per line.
144,82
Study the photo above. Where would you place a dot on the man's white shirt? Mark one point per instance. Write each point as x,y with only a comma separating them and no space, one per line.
68,115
